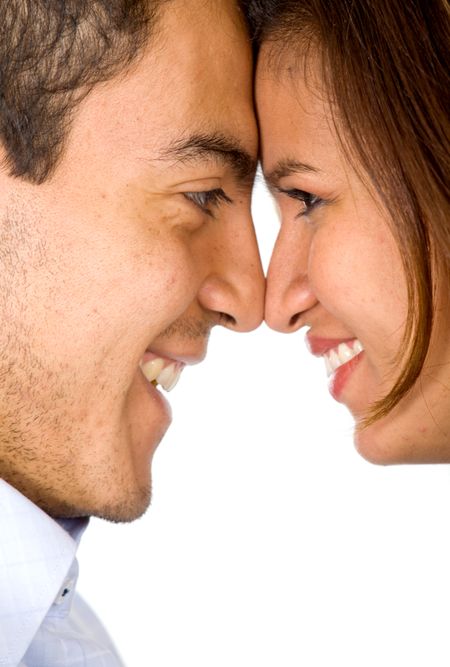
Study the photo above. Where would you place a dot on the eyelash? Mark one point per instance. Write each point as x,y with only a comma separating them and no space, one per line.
309,200
207,199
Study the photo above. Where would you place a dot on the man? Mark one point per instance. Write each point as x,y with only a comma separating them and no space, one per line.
129,148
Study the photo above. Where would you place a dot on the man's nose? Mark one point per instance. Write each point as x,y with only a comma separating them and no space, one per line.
289,294
235,287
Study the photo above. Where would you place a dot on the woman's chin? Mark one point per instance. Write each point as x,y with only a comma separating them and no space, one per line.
376,447
395,439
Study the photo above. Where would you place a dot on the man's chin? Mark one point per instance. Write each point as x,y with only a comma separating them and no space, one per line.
117,510
125,512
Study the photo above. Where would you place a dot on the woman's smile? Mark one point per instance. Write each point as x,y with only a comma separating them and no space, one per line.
341,358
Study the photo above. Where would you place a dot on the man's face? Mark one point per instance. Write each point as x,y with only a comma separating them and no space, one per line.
128,255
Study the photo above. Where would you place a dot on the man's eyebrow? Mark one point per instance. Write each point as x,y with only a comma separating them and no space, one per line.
216,147
285,168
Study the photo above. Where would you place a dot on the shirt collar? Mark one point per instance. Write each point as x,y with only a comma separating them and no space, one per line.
36,555
75,527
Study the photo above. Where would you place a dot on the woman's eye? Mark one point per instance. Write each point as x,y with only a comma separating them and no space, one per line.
208,199
309,200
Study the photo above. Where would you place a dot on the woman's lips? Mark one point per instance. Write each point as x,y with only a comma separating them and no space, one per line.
341,376
341,358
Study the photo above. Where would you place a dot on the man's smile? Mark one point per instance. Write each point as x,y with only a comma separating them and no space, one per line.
161,371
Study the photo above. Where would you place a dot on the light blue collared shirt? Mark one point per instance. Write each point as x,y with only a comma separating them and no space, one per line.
43,622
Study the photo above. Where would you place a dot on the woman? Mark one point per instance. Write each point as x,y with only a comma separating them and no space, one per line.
353,99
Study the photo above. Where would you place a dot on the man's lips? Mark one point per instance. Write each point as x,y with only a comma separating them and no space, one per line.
179,352
160,370
164,368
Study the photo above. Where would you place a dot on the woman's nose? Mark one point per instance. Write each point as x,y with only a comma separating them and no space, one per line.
288,293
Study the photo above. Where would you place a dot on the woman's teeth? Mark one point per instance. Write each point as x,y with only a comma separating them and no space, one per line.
156,372
339,355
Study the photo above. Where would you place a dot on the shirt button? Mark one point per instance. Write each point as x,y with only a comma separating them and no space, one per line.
65,591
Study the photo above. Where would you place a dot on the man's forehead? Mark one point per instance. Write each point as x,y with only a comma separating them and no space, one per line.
184,99
184,21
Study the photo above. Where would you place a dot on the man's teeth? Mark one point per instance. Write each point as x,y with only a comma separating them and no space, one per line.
169,376
339,355
166,376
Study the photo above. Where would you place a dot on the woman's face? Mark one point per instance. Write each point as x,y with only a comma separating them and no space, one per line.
337,270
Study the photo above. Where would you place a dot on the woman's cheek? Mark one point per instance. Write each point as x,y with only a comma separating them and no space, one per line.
357,283
339,282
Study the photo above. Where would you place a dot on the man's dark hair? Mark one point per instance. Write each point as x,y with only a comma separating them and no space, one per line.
52,52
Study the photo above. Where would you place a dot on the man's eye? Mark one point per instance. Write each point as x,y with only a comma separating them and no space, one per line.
208,199
309,200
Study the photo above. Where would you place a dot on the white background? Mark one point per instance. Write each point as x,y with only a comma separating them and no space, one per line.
270,542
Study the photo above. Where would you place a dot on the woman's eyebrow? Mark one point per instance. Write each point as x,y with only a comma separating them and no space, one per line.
286,167
217,147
